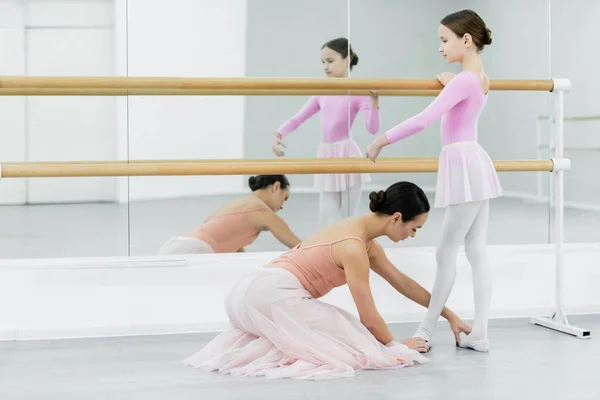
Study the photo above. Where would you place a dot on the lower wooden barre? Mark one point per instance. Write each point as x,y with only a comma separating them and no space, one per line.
246,167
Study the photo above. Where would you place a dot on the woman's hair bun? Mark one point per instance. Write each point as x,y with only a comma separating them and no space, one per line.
255,182
488,36
262,181
377,199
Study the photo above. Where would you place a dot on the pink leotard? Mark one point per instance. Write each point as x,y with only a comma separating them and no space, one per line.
466,172
314,267
230,231
459,104
338,115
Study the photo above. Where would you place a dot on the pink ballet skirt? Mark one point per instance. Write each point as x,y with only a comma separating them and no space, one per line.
280,331
465,174
339,182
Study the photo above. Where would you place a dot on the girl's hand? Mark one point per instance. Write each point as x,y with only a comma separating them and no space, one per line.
278,141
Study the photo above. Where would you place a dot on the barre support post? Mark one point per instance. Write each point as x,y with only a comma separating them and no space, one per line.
558,321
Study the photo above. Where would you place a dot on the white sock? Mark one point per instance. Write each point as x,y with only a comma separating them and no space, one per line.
423,333
458,221
350,200
475,249
329,208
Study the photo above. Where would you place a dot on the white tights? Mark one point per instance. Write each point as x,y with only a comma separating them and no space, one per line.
468,221
334,206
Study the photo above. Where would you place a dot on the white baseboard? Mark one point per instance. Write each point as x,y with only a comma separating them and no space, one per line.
535,198
120,296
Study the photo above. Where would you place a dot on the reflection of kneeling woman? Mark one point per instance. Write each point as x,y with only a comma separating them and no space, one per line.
238,223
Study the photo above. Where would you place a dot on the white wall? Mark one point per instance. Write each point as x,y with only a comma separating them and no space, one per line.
12,109
142,295
70,38
57,37
189,38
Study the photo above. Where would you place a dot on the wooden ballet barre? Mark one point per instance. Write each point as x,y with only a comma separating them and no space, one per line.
206,92
250,84
244,167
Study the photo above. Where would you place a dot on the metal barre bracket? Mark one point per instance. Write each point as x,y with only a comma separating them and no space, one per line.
563,84
560,164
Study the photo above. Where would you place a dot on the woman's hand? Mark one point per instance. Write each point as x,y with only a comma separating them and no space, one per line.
416,343
458,326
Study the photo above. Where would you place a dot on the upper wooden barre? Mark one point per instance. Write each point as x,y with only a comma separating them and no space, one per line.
206,92
244,167
250,84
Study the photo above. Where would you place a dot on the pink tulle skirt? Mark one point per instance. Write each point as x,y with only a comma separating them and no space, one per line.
465,174
280,331
339,182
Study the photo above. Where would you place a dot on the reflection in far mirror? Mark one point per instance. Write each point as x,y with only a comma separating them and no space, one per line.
339,194
239,41
308,126
582,118
59,217
409,41
237,224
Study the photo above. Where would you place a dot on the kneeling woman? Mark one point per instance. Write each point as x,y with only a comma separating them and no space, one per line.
238,223
280,329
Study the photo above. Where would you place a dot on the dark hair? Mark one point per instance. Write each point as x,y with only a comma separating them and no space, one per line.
404,197
341,46
467,21
262,181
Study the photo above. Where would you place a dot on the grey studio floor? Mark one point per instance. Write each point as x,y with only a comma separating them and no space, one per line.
140,228
525,362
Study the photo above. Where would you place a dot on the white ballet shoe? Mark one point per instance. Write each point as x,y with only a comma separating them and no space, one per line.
481,345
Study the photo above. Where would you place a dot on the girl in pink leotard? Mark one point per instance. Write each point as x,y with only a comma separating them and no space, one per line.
339,193
466,177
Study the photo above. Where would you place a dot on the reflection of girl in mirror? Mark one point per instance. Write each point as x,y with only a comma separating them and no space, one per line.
466,177
339,193
280,328
238,223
